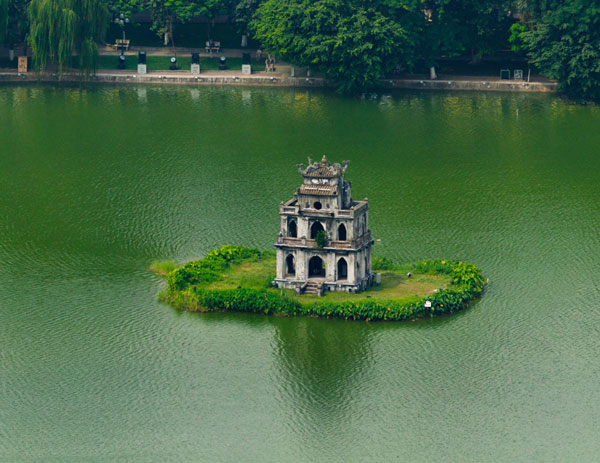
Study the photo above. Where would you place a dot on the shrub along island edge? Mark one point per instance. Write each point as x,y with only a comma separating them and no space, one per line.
239,279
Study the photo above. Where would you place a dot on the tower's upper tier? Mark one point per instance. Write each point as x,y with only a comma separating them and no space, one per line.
324,186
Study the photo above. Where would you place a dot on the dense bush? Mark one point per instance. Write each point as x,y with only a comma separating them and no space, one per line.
467,283
209,268
382,263
321,238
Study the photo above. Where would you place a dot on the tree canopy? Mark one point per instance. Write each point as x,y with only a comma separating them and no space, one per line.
349,41
166,12
13,21
353,43
564,43
60,27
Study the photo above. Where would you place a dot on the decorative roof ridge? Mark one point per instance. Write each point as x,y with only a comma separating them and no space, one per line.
323,168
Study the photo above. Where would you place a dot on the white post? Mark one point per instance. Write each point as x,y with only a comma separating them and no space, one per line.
432,74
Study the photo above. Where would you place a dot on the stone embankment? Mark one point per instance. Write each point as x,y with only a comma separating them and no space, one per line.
283,80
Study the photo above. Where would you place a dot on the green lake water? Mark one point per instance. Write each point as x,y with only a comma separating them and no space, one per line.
97,183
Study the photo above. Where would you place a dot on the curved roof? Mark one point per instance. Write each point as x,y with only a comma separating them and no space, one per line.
322,169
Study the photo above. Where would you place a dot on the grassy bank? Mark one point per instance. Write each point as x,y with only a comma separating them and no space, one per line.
233,278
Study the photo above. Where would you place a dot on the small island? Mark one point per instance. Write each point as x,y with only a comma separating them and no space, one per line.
238,279
322,265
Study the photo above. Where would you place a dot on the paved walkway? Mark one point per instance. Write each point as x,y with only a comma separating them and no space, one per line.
180,51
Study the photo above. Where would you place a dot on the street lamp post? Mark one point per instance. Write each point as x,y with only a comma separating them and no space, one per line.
121,21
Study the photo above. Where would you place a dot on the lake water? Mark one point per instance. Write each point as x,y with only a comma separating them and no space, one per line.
97,183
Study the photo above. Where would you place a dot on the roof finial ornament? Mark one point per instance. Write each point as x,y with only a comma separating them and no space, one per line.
324,160
345,168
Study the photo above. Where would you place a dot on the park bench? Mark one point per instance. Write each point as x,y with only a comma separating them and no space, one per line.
212,46
121,43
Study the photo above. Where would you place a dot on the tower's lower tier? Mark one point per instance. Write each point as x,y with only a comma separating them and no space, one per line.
321,285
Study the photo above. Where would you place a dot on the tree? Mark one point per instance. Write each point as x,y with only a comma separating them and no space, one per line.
166,12
126,7
210,9
455,26
349,41
60,27
244,12
13,21
563,41
4,4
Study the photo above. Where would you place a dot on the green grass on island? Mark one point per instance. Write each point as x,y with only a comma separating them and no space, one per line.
163,267
258,274
233,278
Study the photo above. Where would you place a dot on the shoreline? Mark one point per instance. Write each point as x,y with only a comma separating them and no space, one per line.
238,279
462,83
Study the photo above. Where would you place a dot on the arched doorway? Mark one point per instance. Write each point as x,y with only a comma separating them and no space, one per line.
342,232
316,267
315,228
290,265
342,268
292,229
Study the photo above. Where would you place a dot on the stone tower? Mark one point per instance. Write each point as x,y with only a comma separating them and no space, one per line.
324,206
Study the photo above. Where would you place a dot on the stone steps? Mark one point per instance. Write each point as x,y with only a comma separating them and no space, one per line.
312,287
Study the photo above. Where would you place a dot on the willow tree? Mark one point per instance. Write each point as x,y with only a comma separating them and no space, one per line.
60,29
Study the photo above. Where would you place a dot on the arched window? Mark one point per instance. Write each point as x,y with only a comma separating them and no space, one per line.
292,229
291,267
316,267
342,268
342,232
315,228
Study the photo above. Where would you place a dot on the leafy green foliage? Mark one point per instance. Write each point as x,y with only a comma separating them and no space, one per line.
564,43
321,238
13,21
165,13
60,28
516,37
163,267
467,284
244,11
382,263
3,19
209,268
455,26
126,7
349,41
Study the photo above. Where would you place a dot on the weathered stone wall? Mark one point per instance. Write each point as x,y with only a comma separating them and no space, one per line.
185,78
